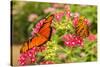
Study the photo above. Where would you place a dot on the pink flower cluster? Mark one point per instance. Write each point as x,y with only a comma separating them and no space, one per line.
71,40
37,27
30,55
58,16
75,20
68,14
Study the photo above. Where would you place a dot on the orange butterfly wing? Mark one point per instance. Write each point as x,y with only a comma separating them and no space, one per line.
46,29
39,40
42,36
82,29
45,32
36,41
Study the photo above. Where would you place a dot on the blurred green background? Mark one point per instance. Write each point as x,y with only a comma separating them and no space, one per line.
22,26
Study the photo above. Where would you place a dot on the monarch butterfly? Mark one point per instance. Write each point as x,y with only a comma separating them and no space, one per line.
82,28
43,36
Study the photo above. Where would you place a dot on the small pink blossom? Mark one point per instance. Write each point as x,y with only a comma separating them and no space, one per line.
33,59
75,20
87,22
59,15
40,23
37,27
32,17
92,37
68,13
35,30
76,14
50,9
72,40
